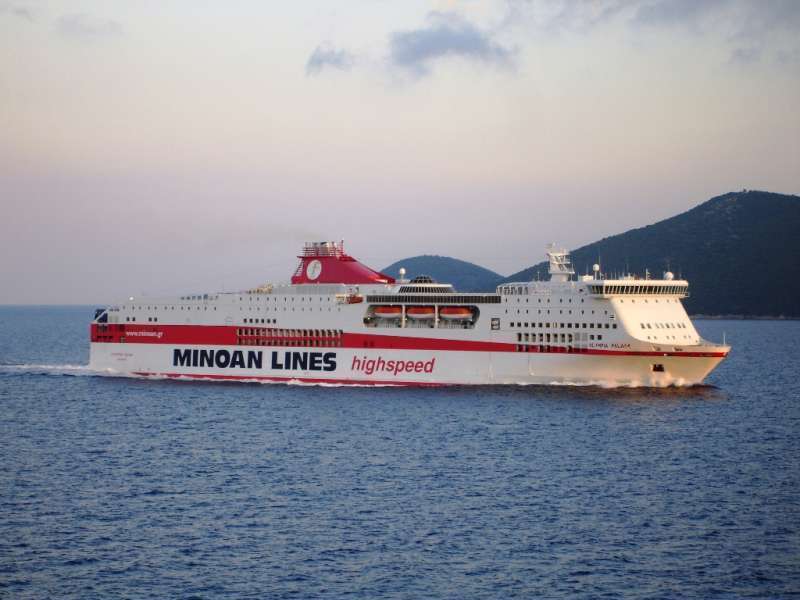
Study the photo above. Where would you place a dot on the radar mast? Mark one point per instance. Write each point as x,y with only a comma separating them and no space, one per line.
560,266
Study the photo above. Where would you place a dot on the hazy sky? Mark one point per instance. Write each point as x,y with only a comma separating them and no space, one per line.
184,146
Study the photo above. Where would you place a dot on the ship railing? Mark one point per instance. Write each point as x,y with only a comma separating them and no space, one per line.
323,249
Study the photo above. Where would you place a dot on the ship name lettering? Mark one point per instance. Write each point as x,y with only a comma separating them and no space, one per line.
303,361
222,359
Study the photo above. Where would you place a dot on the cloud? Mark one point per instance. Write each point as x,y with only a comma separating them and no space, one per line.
788,57
676,12
751,30
744,56
86,27
554,16
446,35
325,56
17,11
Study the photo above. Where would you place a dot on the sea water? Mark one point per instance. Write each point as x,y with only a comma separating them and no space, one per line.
118,487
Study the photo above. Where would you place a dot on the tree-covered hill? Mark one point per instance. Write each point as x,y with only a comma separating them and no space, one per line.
465,276
740,253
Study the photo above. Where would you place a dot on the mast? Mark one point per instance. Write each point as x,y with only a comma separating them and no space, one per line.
560,266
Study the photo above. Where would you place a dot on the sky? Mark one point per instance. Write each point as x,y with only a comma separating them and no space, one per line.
179,146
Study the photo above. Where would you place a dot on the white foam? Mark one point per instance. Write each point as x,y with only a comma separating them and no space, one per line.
87,371
38,369
609,385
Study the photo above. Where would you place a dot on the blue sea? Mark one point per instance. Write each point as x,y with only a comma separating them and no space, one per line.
126,488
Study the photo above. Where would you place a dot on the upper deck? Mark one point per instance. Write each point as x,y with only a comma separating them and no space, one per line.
421,302
597,285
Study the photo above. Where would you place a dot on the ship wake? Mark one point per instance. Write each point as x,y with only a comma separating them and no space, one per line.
55,370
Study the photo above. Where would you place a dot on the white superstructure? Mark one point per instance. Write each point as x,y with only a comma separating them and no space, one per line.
340,322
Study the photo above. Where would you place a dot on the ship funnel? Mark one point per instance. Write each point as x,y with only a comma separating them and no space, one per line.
560,266
327,262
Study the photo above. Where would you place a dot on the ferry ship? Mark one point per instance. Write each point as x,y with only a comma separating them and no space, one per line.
340,322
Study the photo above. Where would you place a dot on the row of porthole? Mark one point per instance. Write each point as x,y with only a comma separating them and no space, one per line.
685,337
241,309
321,343
664,325
520,324
131,318
539,300
309,310
547,311
546,337
170,308
289,333
287,297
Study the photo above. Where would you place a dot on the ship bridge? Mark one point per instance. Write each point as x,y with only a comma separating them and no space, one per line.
639,287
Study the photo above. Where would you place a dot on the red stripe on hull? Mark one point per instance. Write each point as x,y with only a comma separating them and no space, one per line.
209,335
226,335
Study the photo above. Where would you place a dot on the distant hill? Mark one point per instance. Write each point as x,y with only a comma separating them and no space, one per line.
465,276
739,251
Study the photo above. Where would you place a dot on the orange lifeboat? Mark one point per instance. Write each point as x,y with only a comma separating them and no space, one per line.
455,313
387,312
420,312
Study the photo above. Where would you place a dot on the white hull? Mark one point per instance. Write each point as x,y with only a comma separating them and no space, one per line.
410,367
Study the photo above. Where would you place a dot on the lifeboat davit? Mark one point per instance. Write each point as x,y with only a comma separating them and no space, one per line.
455,313
387,312
420,312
